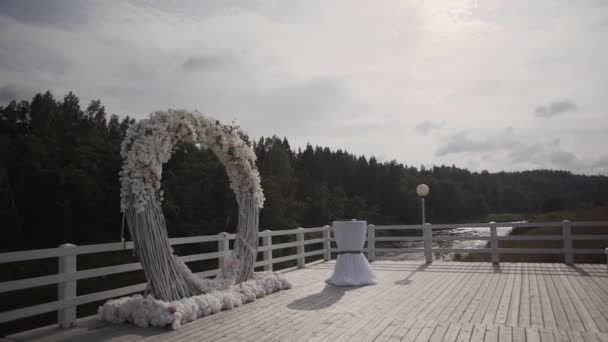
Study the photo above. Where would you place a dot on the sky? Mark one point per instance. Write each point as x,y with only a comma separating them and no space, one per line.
486,85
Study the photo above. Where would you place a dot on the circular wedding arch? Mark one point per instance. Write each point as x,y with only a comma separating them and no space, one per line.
149,144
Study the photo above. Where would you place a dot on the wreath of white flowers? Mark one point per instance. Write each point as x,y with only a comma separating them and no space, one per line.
147,146
176,294
150,143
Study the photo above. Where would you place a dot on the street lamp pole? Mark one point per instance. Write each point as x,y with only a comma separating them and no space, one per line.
423,190
422,205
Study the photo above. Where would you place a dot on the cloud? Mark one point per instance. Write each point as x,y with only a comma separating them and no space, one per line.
350,75
306,99
600,166
428,125
563,159
555,108
12,92
64,14
296,108
461,143
519,152
197,63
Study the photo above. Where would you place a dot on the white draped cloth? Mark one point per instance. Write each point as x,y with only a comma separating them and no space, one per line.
352,268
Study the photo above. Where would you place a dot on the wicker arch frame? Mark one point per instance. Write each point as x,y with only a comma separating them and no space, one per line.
147,146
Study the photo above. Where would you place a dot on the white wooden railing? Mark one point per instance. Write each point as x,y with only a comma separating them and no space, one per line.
494,250
68,273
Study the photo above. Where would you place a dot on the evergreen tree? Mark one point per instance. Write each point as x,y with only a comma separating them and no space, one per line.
59,169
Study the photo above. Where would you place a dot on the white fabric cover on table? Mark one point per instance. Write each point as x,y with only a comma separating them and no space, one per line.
351,269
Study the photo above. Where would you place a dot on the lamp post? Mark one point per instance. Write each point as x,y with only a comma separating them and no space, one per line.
422,190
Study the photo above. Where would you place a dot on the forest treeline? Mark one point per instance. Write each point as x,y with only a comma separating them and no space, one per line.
59,164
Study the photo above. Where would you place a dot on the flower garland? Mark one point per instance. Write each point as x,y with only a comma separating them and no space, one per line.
145,311
151,142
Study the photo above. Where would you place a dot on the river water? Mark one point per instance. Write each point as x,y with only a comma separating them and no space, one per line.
462,231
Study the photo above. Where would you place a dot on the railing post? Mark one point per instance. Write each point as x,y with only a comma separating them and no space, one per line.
223,247
371,242
300,247
427,233
494,242
567,233
327,243
66,318
267,243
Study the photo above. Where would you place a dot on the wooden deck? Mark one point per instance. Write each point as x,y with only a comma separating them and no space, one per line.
445,301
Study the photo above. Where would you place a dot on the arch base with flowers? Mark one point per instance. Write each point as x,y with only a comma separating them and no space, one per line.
174,295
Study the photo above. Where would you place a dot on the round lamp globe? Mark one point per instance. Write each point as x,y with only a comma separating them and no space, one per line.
422,190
